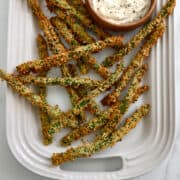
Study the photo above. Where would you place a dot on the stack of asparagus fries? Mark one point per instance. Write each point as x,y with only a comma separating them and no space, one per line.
71,21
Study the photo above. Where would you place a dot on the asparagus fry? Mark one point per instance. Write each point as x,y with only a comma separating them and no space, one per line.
66,33
43,53
65,70
59,59
101,88
83,103
110,116
81,35
45,25
134,92
83,66
107,116
62,4
52,39
53,111
68,36
66,81
83,18
80,7
51,36
89,149
73,95
136,62
135,41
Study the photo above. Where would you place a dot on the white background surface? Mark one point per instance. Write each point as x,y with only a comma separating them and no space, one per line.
10,169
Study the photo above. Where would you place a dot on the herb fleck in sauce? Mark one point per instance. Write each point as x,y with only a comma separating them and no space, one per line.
121,11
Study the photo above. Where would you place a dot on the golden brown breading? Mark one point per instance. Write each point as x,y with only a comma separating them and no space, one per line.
89,149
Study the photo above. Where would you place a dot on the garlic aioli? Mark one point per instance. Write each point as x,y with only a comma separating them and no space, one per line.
121,11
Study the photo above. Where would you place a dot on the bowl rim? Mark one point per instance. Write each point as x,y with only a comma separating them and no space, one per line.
100,20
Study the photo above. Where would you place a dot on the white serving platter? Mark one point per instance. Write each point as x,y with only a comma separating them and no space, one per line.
140,151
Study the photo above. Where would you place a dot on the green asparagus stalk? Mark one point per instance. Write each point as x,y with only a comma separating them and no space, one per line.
80,8
66,81
101,88
134,92
53,40
63,5
69,37
78,5
39,65
43,53
71,91
110,116
53,111
51,37
92,107
67,34
90,60
64,31
80,33
121,107
89,149
53,128
144,32
136,63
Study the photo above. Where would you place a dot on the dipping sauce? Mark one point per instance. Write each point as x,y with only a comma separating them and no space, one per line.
121,11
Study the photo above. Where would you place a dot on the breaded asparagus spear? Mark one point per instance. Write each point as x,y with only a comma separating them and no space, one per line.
63,5
66,81
115,112
64,31
101,88
89,149
145,31
67,34
80,33
53,111
53,39
51,36
57,60
65,72
136,62
48,30
82,37
106,117
79,6
134,92
81,104
43,53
